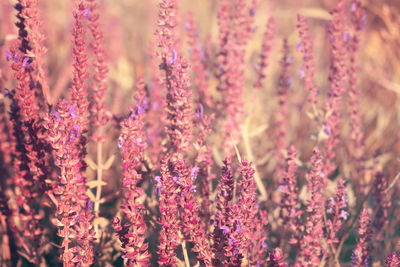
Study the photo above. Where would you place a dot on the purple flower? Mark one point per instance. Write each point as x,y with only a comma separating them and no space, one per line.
74,133
55,114
298,46
25,62
292,212
193,188
73,112
353,7
225,229
281,188
88,204
302,73
132,115
194,172
141,108
158,190
8,55
174,57
77,132
346,37
121,142
327,129
86,13
264,245
158,187
331,202
200,111
354,257
238,227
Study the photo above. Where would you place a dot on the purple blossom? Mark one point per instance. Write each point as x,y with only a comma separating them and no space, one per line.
194,172
121,142
77,132
193,188
298,46
174,57
292,213
73,112
281,188
158,187
225,229
302,73
158,190
86,13
74,133
132,115
200,111
55,114
25,63
353,7
238,227
176,179
89,204
264,245
141,108
346,37
327,129
8,55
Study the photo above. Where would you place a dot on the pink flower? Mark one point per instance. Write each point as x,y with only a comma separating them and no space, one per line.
132,232
360,255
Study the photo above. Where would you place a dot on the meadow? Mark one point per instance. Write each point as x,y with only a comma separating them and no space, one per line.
199,133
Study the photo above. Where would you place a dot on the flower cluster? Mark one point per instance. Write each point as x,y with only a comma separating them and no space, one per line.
360,255
337,206
337,85
311,247
223,208
168,189
176,82
265,52
284,85
133,144
289,204
74,209
307,72
163,194
358,19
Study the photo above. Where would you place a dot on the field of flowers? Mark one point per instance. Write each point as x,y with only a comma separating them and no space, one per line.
199,133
